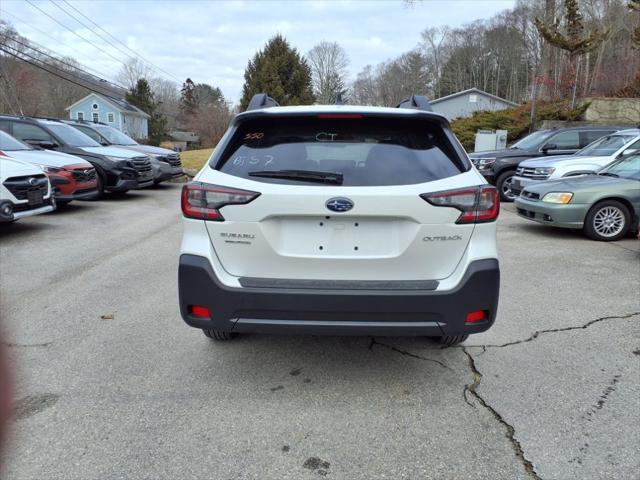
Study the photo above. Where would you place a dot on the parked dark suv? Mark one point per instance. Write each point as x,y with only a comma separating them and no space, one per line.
499,166
118,169
166,163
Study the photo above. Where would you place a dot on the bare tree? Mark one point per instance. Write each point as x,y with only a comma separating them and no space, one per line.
328,62
166,94
132,71
434,46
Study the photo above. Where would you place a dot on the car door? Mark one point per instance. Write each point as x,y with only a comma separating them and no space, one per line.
563,143
589,136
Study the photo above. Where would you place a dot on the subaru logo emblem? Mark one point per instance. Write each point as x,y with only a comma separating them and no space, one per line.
339,204
33,181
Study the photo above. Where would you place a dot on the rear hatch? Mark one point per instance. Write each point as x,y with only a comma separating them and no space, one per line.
332,197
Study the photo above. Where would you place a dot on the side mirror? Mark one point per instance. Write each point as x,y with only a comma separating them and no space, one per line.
104,143
629,151
549,146
46,144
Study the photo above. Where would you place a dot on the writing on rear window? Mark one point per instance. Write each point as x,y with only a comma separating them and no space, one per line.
374,151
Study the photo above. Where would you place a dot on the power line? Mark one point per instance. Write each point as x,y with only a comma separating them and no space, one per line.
75,67
72,31
41,67
52,38
136,54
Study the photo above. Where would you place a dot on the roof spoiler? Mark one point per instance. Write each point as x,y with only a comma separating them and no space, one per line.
418,102
262,100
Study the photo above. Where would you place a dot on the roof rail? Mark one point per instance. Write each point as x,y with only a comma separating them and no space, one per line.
262,100
419,102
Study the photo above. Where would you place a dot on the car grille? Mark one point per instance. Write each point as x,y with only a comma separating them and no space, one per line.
82,175
142,166
21,186
530,173
173,159
530,195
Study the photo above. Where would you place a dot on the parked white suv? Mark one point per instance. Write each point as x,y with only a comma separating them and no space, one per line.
339,220
589,160
24,190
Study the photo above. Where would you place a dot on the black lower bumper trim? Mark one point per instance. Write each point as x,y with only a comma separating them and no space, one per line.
341,312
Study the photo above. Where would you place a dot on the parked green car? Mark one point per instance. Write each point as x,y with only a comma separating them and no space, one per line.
605,205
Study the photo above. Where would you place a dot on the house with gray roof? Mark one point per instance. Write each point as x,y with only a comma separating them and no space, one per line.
113,111
464,103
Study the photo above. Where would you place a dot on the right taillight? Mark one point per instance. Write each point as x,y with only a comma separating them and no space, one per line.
477,204
203,201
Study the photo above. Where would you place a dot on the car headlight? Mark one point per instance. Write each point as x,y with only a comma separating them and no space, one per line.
50,169
544,170
486,162
558,197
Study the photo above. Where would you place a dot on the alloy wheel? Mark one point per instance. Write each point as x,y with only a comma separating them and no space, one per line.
608,221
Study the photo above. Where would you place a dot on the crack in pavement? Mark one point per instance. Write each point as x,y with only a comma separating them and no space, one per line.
510,431
27,345
408,354
537,333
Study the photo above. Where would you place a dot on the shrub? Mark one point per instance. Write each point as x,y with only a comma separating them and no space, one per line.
515,120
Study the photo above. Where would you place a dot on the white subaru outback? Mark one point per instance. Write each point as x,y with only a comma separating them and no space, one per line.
339,220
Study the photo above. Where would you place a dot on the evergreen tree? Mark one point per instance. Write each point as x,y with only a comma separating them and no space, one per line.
188,102
280,71
142,97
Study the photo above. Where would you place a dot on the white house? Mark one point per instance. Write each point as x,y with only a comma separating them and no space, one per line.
117,113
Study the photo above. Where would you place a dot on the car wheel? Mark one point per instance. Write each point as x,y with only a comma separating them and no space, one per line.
218,334
503,184
451,340
607,221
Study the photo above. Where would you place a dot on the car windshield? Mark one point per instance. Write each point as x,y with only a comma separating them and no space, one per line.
605,146
532,141
627,167
115,137
71,136
10,144
350,151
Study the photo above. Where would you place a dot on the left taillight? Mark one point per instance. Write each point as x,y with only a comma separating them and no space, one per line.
203,201
476,204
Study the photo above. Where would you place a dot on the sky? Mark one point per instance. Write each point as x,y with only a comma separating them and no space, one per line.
212,41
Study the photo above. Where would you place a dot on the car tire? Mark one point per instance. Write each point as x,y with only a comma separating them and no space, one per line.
607,221
503,184
451,340
99,185
218,335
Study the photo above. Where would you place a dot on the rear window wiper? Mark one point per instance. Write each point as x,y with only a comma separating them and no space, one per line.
333,178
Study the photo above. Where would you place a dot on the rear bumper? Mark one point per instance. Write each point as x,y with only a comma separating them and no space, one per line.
339,311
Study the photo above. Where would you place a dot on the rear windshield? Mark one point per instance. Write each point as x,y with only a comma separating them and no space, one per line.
366,151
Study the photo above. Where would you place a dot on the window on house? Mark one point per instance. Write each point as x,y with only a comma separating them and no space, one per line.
94,106
96,117
110,117
473,98
80,115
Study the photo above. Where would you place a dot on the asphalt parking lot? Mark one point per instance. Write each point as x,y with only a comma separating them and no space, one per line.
112,384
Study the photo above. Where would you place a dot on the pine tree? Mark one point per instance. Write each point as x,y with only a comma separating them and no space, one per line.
142,97
188,101
280,71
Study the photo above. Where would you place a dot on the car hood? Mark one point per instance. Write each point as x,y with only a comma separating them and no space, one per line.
563,159
111,151
147,149
10,167
48,157
573,184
